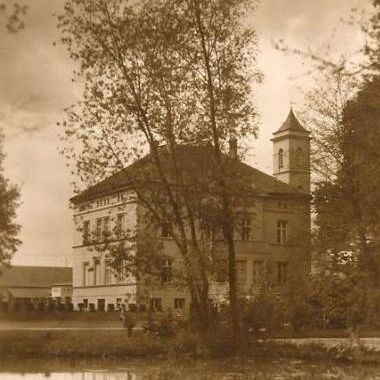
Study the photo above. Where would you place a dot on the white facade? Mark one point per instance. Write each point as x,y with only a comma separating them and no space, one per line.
94,281
272,237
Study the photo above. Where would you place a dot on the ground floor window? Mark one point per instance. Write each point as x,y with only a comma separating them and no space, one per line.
85,303
156,304
179,303
118,303
101,304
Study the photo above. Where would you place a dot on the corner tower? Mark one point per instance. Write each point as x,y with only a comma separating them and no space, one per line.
291,154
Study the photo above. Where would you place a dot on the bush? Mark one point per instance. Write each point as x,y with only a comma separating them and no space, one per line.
264,312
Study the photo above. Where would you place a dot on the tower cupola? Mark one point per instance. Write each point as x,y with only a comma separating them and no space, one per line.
291,154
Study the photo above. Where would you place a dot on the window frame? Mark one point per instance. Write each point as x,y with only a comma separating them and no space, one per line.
179,303
167,271
166,229
86,266
246,229
156,304
280,158
86,231
120,223
282,231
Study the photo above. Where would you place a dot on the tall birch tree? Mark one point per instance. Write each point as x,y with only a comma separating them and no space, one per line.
174,73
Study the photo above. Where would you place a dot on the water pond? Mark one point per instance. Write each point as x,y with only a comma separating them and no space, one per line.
183,369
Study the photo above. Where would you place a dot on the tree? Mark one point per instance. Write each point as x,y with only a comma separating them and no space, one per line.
342,111
172,72
9,195
14,14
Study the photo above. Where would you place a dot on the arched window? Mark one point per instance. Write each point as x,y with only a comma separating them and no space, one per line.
299,155
280,159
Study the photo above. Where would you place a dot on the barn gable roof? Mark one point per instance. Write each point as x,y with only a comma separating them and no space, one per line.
34,276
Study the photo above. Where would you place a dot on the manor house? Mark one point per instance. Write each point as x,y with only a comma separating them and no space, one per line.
271,238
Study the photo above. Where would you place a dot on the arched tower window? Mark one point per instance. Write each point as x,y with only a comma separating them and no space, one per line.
299,154
280,159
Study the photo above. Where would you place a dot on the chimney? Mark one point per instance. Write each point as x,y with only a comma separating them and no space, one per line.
233,152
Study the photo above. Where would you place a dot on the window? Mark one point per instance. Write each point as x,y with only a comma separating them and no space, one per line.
120,225
85,273
106,225
245,232
282,273
102,228
101,304
98,228
179,303
85,303
166,229
86,232
155,304
107,274
282,231
241,272
118,303
280,159
96,272
299,154
258,270
167,271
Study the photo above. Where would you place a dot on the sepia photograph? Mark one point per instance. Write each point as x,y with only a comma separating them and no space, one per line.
189,189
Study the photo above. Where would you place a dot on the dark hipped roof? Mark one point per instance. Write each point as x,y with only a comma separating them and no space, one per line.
292,124
33,276
193,158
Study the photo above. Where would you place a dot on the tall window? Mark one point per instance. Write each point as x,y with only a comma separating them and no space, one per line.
282,231
107,274
96,272
166,229
179,303
155,304
299,154
102,228
282,273
86,232
98,231
245,229
241,272
85,273
258,270
280,159
120,225
106,226
167,271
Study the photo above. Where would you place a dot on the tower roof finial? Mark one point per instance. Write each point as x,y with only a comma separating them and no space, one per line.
291,123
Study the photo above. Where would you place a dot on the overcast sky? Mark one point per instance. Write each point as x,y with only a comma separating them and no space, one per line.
35,86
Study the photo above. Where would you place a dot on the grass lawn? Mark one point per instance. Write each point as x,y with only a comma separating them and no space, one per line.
76,344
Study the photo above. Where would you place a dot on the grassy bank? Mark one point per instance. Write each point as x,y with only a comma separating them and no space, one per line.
115,344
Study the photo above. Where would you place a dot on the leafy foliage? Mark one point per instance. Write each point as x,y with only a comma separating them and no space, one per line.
9,229
172,72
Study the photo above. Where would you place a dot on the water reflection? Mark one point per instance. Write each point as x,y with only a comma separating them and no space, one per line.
93,375
189,370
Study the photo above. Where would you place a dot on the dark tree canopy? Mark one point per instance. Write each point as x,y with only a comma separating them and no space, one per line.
9,229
